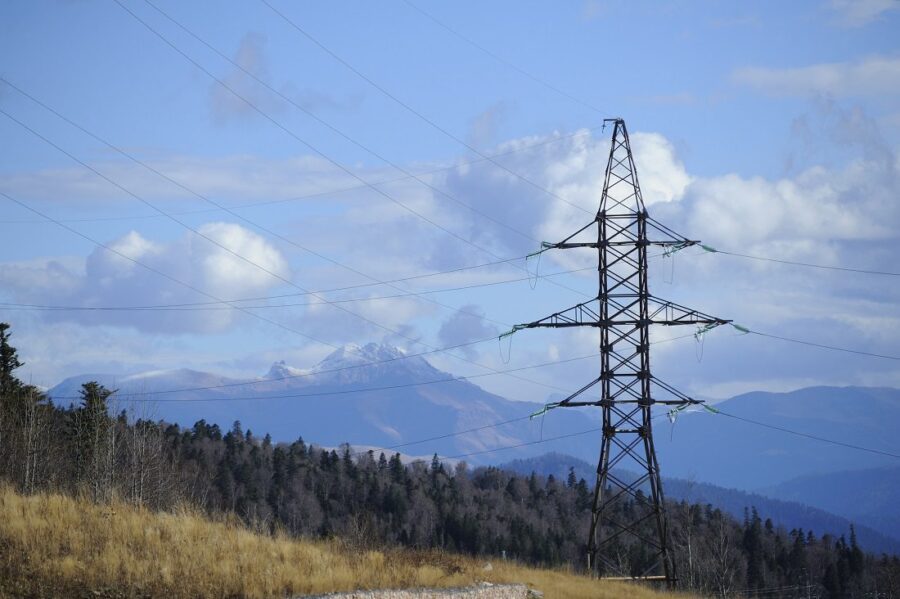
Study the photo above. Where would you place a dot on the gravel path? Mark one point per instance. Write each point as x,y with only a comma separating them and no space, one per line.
482,591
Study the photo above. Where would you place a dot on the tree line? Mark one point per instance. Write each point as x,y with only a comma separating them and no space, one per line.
373,499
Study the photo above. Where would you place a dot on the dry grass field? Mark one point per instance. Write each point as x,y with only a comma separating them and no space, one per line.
57,546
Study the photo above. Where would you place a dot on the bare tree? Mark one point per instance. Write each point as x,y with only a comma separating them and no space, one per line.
724,564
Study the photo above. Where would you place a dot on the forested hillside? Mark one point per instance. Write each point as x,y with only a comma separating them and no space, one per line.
373,499
792,514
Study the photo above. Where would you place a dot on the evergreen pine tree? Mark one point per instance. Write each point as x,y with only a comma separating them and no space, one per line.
571,480
92,443
9,361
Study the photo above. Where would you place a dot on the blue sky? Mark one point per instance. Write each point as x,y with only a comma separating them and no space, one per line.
764,128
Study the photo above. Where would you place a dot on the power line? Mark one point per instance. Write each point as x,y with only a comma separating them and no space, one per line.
713,250
500,59
141,396
598,429
161,273
454,166
823,346
308,145
337,131
413,111
557,90
484,427
747,420
229,250
525,444
331,290
800,341
446,436
253,314
807,435
368,365
204,306
193,230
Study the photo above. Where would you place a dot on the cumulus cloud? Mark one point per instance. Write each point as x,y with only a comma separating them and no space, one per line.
837,215
821,205
744,212
873,76
108,279
562,191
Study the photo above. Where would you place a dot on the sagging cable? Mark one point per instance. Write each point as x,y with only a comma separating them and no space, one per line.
669,251
507,334
673,416
700,336
537,268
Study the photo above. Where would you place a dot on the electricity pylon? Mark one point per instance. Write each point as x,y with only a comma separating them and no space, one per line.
623,312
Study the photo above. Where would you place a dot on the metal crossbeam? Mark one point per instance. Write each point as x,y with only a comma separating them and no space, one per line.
623,312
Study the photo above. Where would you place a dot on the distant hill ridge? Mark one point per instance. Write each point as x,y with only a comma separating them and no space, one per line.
788,514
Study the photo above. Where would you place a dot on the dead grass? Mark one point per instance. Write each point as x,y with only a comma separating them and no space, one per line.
57,546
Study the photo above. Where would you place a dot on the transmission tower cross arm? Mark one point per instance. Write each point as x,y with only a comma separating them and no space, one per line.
669,313
579,315
669,239
623,310
661,393
666,243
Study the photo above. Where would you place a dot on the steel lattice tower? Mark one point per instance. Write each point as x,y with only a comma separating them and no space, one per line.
623,312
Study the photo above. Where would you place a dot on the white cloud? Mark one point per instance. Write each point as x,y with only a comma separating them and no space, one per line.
225,274
741,212
108,279
576,173
873,76
663,177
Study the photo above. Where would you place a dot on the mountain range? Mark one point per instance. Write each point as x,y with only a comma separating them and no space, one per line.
372,395
376,395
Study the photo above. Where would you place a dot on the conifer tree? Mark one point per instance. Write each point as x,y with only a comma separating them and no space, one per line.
9,361
94,444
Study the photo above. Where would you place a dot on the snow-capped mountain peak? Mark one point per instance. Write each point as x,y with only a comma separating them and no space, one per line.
353,362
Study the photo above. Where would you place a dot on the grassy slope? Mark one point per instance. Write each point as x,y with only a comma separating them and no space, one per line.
53,545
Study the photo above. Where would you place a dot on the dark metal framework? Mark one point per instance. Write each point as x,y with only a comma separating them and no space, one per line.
623,312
